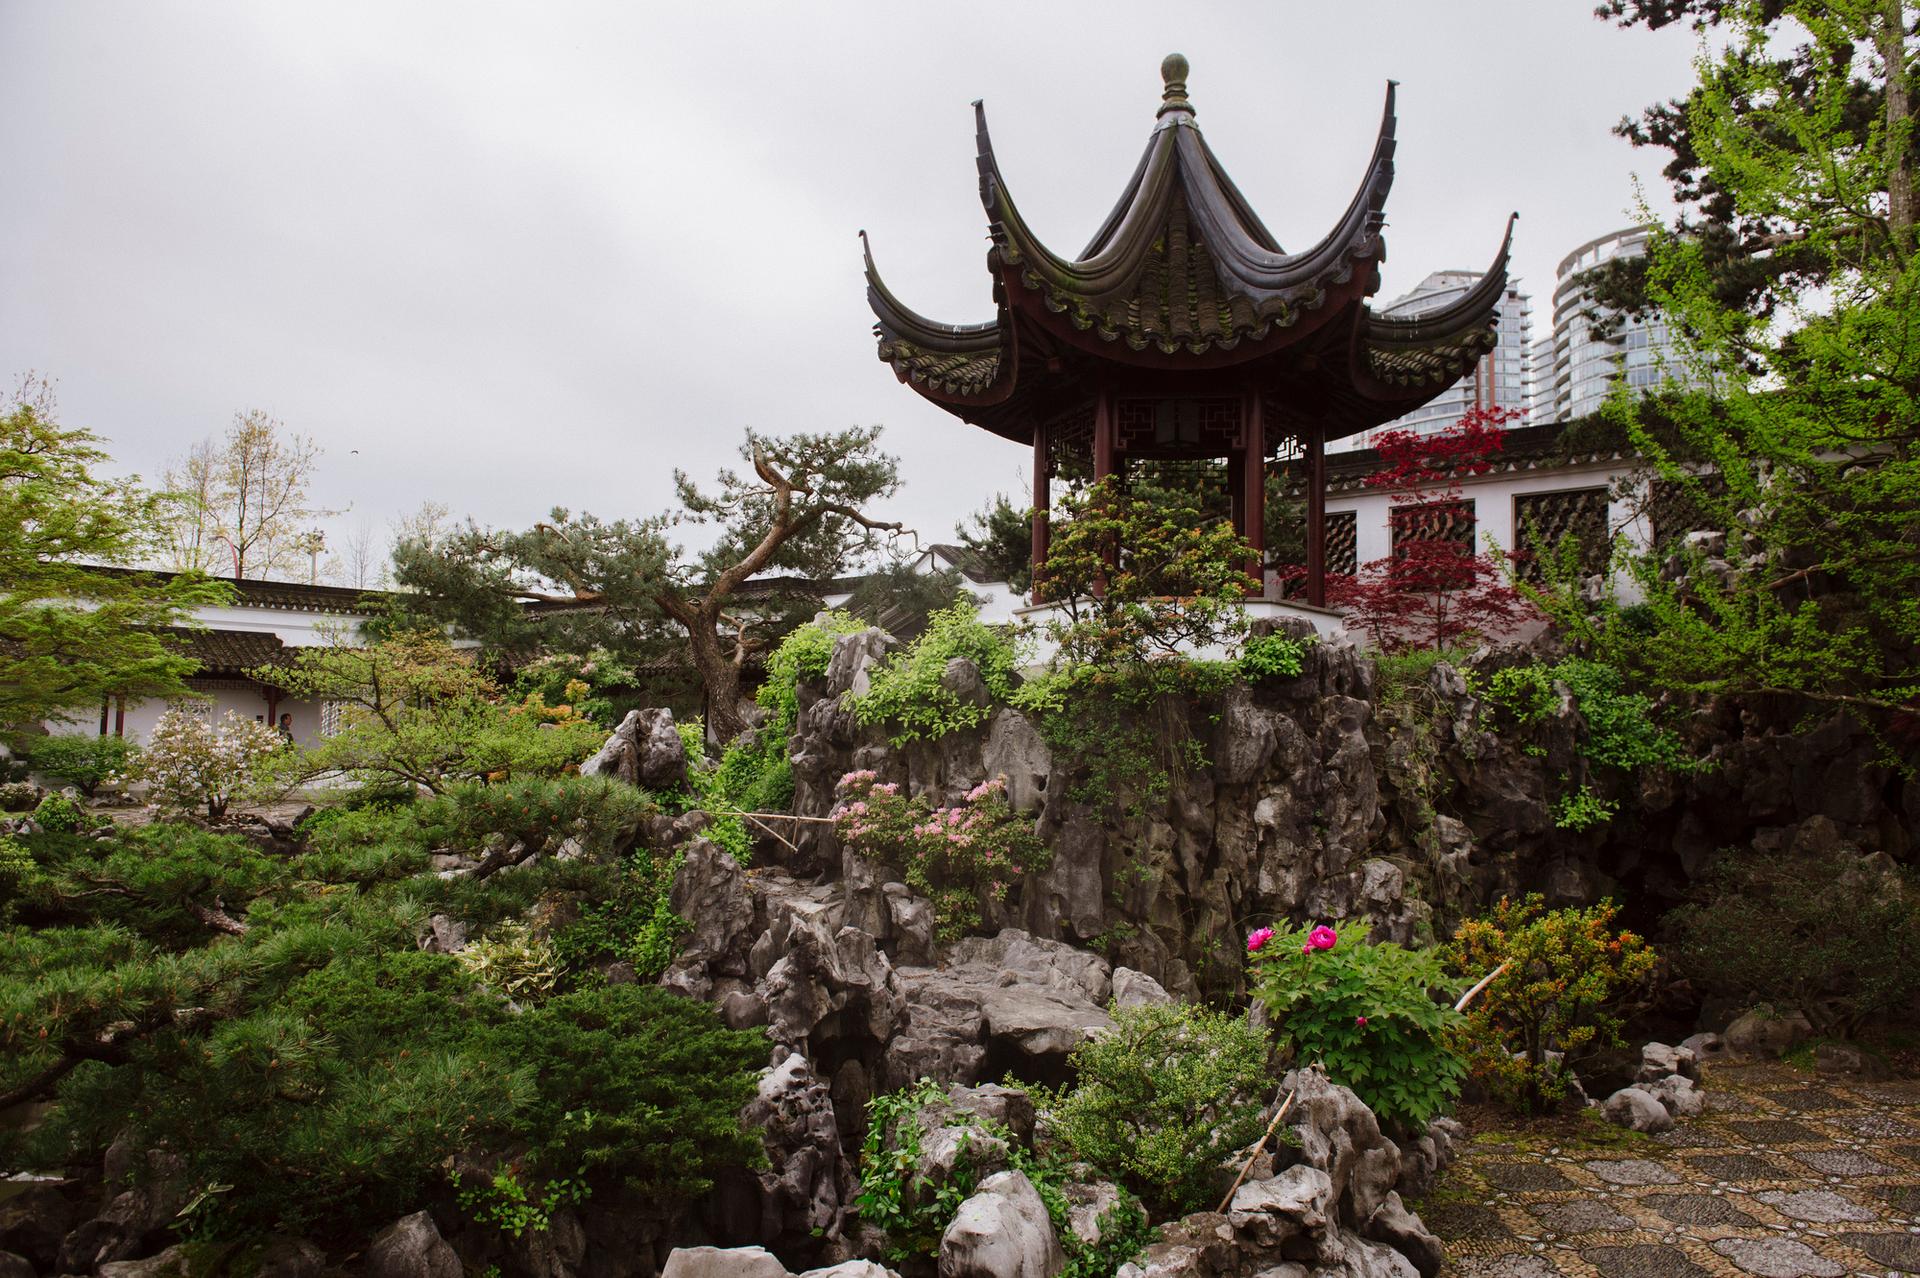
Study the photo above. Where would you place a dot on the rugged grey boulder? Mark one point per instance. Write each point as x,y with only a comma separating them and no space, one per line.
1002,1232
1757,1033
806,1190
12,1266
645,750
723,1262
1639,1110
412,1247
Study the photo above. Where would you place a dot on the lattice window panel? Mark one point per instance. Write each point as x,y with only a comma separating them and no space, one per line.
1674,512
330,717
1343,542
1432,521
198,708
1543,520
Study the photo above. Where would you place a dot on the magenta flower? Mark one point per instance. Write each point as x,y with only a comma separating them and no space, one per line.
1359,1020
1322,937
1258,937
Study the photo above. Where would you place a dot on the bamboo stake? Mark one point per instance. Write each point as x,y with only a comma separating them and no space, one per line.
1485,981
1260,1145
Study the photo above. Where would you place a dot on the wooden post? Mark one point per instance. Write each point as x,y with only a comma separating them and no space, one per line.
1253,490
1104,462
1042,499
1316,515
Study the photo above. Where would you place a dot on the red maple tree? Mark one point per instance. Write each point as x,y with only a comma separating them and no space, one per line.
1437,586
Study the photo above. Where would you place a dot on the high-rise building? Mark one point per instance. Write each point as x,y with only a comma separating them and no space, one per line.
1576,368
1498,380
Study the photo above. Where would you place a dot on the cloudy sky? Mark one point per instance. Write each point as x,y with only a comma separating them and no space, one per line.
506,257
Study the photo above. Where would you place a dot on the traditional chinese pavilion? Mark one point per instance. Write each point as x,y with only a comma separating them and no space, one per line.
1184,332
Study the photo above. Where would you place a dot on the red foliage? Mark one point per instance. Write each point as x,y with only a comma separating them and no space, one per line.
1436,587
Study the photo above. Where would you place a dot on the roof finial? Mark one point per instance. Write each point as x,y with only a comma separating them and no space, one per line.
1173,70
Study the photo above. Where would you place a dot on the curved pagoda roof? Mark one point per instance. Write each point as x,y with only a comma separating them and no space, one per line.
1183,277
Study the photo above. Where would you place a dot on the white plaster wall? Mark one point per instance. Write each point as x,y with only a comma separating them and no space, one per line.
1492,496
296,628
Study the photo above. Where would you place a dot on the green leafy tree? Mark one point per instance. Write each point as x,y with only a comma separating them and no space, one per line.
71,635
417,711
1140,579
1000,534
1757,257
1809,414
799,509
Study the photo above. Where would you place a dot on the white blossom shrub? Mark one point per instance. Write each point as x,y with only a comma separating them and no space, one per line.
189,763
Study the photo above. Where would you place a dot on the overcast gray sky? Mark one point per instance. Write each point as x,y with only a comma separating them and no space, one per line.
538,254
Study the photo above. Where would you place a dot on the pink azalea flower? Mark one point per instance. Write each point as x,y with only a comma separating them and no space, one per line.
1258,937
1322,937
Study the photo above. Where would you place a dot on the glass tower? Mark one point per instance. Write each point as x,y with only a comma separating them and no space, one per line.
1576,368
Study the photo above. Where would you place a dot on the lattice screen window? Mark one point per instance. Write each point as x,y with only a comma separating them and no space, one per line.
1542,520
1674,511
1343,545
330,717
200,708
1437,521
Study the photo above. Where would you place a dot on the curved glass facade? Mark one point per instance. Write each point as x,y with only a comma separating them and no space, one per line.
1576,369
1499,380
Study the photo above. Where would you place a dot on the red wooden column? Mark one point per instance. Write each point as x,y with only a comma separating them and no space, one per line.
1253,487
1316,515
1042,499
1105,429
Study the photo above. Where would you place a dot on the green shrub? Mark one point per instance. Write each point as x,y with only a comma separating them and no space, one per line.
634,1084
1272,657
1366,1011
512,961
1826,933
18,796
634,924
603,814
914,1214
958,856
1172,1091
57,814
1567,975
82,761
908,690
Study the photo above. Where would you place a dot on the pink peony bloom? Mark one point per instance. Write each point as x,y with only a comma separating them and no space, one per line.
1322,937
1258,937
1359,1020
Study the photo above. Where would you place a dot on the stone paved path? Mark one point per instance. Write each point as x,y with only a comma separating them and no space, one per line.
1785,1176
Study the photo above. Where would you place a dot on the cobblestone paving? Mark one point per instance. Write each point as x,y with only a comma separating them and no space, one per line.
1783,1177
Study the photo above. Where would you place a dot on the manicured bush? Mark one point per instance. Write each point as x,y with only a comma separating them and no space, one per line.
81,761
908,690
57,814
1827,933
958,856
1568,974
601,813
1366,1011
1164,1098
18,796
190,764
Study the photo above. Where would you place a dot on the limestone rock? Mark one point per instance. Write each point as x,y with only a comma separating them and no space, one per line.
1681,1095
1137,989
12,1266
1705,1046
1640,1110
723,1262
1758,1034
852,1269
1002,1232
807,1186
412,1247
175,1262
1657,1061
645,750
